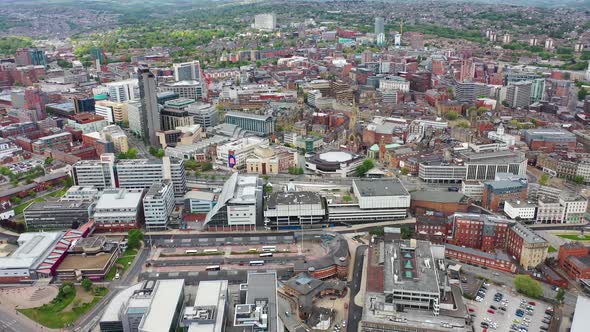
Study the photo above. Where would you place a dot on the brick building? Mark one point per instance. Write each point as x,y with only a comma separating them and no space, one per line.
60,141
431,228
498,260
446,203
574,260
495,193
526,246
550,139
478,231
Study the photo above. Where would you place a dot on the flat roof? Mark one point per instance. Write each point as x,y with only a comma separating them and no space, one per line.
439,196
204,195
111,313
162,309
336,156
263,285
581,319
32,249
82,262
410,266
380,187
293,198
119,199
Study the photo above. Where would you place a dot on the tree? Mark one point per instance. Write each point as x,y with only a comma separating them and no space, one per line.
452,115
579,179
267,188
48,161
560,296
206,166
404,171
364,167
347,198
66,289
86,284
463,124
528,286
582,93
544,179
407,232
134,237
130,154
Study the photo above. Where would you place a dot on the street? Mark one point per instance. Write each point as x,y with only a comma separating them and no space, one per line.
355,312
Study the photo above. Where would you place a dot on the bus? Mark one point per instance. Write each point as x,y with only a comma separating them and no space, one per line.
209,251
256,263
267,254
269,248
191,252
213,268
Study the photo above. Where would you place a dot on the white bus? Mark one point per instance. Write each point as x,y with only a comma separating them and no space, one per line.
256,263
191,252
269,248
266,254
209,251
213,268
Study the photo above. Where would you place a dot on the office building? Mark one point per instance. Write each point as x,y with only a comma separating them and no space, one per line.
57,215
467,92
199,201
194,90
550,139
118,209
145,307
235,154
379,26
106,112
265,22
82,105
259,124
574,260
205,115
150,111
496,192
286,210
520,210
87,122
57,142
187,71
258,308
432,202
239,205
134,113
172,118
574,207
271,160
158,205
517,94
209,311
119,110
527,247
394,83
374,200
115,134
122,91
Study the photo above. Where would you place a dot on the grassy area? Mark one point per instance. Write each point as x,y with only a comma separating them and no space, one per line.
552,249
20,208
58,193
122,264
54,315
575,237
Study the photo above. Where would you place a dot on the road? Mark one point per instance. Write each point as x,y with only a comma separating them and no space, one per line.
10,321
89,321
355,313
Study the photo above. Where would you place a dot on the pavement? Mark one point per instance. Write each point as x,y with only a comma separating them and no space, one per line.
355,312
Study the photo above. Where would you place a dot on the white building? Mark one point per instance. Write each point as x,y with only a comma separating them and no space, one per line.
473,189
265,22
134,110
574,207
7,148
394,83
106,112
122,91
118,208
238,204
22,264
520,209
234,154
187,71
208,312
158,205
294,208
500,136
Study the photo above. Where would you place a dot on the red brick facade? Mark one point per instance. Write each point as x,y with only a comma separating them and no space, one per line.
572,266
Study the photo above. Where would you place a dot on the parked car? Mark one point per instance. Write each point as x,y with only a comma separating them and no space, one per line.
491,311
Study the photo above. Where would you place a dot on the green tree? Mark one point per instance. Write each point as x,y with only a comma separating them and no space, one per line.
134,238
379,231
362,169
463,124
528,286
267,188
404,171
407,232
579,179
48,161
86,284
544,179
347,198
206,166
452,115
560,296
582,93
